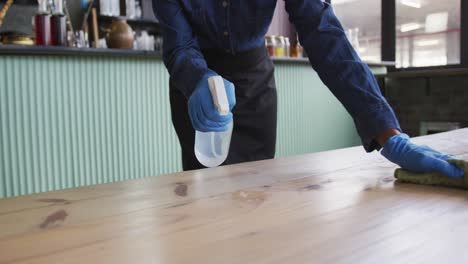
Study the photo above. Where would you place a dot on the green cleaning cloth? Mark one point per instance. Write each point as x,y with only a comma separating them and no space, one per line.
436,178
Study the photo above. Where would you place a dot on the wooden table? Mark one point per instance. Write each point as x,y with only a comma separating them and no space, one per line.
339,206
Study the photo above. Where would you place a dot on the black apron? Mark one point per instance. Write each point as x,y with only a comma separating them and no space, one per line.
255,113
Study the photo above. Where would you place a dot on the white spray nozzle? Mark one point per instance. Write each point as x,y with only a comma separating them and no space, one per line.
218,93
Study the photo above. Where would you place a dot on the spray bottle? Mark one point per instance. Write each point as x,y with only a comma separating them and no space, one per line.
212,148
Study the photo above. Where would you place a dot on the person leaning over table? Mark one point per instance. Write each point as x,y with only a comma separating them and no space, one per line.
204,38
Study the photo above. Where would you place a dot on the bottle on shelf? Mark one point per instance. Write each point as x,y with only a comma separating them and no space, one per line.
105,8
58,24
130,8
270,42
115,7
280,46
296,49
109,7
287,47
42,24
138,11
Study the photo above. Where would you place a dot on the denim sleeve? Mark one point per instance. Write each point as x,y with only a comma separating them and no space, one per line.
181,52
340,68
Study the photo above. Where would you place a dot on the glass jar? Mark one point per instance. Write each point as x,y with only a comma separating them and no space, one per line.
280,46
138,9
115,7
58,30
130,8
105,8
41,24
270,42
42,29
296,51
42,6
287,47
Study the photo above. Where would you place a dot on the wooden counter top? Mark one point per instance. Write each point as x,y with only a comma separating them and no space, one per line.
339,206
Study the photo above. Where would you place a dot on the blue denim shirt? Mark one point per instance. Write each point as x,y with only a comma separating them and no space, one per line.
234,26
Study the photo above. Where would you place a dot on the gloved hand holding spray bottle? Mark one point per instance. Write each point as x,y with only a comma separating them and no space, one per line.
210,108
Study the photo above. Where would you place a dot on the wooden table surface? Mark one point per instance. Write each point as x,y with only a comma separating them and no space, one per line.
339,206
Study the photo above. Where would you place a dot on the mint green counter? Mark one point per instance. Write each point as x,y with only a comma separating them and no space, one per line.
73,120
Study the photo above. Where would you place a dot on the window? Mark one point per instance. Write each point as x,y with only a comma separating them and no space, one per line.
361,20
428,32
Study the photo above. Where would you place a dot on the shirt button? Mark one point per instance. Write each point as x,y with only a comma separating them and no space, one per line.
226,33
225,3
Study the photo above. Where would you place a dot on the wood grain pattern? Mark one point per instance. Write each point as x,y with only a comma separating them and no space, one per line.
338,206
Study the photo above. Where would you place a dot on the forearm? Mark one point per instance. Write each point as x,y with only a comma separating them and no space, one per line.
385,135
186,68
181,52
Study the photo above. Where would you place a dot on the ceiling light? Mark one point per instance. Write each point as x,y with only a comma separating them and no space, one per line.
411,3
370,58
340,2
410,27
427,42
437,22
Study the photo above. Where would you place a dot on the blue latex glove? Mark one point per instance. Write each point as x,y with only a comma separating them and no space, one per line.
399,150
202,111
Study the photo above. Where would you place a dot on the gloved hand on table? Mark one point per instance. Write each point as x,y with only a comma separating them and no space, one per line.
202,111
399,150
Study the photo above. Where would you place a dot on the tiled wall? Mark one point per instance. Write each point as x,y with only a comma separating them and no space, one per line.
414,100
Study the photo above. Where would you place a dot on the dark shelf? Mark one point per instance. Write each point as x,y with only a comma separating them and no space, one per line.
131,21
67,51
